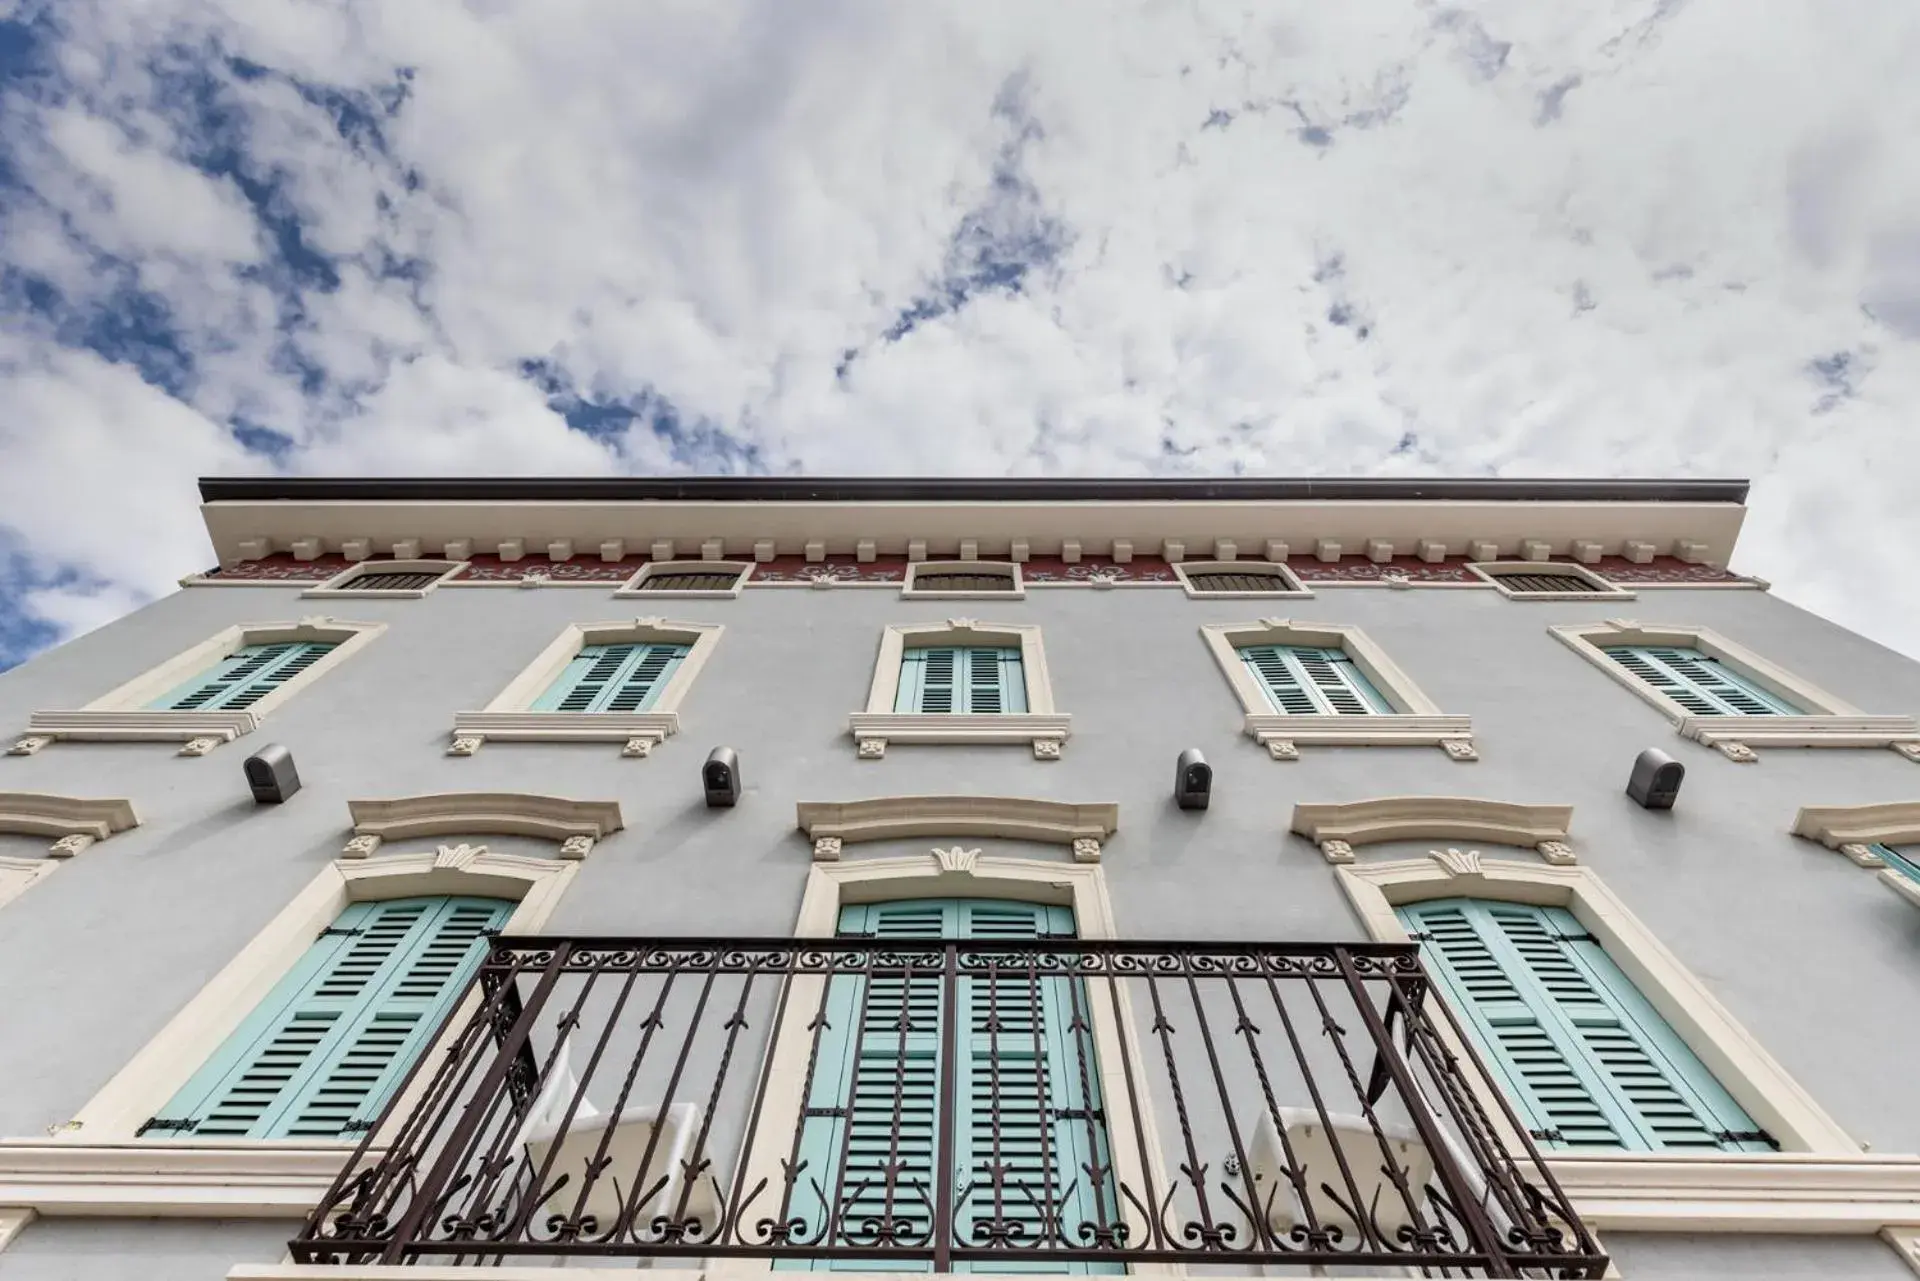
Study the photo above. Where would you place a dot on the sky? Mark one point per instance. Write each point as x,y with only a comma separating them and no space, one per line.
955,237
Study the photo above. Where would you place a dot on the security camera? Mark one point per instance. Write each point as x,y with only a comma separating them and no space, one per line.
271,775
1655,781
1192,780
720,777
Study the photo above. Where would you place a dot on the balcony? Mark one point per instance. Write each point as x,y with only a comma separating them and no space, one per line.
1032,1105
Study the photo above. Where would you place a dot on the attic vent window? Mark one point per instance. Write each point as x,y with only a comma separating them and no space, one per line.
702,579
681,582
1539,581
1234,579
406,581
1545,582
964,578
963,583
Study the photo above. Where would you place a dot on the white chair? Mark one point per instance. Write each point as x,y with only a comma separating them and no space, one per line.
632,1131
1314,1146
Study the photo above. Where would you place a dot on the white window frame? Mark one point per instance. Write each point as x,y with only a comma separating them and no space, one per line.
1040,725
1289,584
1416,720
122,714
832,825
1010,569
97,1164
1831,722
636,586
1853,831
1338,829
1798,1189
1600,588
341,584
959,873
509,718
75,823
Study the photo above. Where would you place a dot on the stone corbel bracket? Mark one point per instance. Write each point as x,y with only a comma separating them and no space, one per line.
1083,828
1853,831
75,822
574,825
1338,828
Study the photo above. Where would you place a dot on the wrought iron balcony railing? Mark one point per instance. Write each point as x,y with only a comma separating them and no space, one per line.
1033,1105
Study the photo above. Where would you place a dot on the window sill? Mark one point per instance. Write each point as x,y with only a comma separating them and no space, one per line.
1046,731
1282,736
200,731
1743,1192
178,1180
641,732
1736,736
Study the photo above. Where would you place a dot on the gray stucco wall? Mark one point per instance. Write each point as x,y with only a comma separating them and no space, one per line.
1807,951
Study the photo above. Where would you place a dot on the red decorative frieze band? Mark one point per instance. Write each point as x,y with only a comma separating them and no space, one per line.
486,568
283,568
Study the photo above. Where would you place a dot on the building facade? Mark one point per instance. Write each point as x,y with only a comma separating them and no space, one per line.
728,876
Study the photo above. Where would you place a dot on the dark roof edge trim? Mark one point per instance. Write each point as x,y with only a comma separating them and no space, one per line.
781,489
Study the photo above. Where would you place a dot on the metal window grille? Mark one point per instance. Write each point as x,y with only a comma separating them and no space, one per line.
1238,581
690,581
410,580
1547,581
945,581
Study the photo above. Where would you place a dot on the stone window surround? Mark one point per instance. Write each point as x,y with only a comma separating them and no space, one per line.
122,715
1494,571
94,1164
635,586
341,584
574,825
832,825
1823,1182
1289,583
1008,569
74,822
1040,725
959,873
1415,721
1832,722
1852,831
508,717
1338,828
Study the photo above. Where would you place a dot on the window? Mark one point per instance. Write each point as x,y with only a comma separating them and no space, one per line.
1585,1060
212,693
1905,861
1302,684
1727,697
399,579
597,683
1028,1093
320,1056
962,678
1548,581
959,579
698,579
1304,679
613,678
1231,580
1698,682
244,677
960,681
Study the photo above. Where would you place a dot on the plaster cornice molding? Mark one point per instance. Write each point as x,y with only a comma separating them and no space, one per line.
1009,817
1741,1192
201,1180
1438,818
44,814
484,813
1888,823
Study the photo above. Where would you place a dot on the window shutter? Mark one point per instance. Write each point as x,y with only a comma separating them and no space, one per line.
320,1055
1898,859
980,679
1698,682
868,1067
244,677
612,678
929,680
1586,1060
1304,680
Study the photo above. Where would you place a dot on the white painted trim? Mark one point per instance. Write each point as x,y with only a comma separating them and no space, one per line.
1742,1191
1289,584
172,1180
1040,725
510,718
484,813
1737,1060
1018,818
44,814
114,1114
1008,569
1888,823
635,586
1440,818
1415,720
11,1223
1599,588
18,875
341,584
122,715
1831,722
1080,886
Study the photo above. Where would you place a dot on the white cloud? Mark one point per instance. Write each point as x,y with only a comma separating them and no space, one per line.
1636,237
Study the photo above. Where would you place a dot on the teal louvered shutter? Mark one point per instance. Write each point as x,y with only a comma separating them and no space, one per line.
1304,680
962,678
1699,682
244,677
1900,860
1585,1059
322,1053
612,678
874,1096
